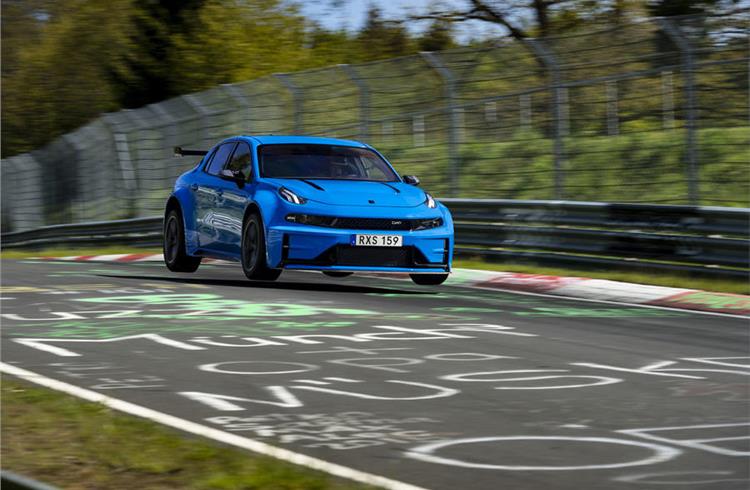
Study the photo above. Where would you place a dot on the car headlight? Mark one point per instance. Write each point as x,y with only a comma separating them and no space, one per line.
430,201
426,224
308,219
291,197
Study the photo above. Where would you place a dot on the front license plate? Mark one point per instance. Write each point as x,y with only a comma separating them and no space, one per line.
378,240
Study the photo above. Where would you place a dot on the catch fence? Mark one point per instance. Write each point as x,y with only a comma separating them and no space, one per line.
654,111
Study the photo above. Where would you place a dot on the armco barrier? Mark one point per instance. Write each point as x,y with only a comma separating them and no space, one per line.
13,481
708,240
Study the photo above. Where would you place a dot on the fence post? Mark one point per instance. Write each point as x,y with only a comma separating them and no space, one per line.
418,130
524,111
240,97
364,100
169,136
688,74
124,161
203,113
78,203
22,178
560,96
613,118
449,86
667,100
297,99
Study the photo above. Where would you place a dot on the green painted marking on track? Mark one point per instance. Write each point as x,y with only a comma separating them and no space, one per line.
471,295
467,309
717,301
112,328
215,307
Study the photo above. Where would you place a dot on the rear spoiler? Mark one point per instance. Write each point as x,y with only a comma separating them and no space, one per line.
181,152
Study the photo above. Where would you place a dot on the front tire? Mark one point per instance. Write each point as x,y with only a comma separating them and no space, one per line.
254,251
428,279
175,256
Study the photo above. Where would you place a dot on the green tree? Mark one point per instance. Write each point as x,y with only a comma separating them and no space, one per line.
439,36
60,74
154,26
379,39
230,42
533,18
67,61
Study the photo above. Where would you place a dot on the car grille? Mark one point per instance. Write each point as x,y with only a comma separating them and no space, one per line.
345,255
366,223
373,223
375,256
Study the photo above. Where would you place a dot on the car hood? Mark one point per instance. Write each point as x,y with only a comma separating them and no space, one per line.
355,193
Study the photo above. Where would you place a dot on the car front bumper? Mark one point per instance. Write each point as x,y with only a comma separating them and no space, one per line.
303,247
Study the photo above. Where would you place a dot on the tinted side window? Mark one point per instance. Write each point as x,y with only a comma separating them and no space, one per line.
209,158
220,158
241,160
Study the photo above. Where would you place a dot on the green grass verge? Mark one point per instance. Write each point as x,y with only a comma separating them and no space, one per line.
73,444
656,279
660,279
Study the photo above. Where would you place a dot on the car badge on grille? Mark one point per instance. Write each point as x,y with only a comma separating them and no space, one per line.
396,223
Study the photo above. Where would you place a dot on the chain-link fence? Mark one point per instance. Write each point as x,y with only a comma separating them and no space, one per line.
654,111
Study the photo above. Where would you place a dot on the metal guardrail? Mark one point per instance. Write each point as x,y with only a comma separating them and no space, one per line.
13,481
707,240
684,219
144,232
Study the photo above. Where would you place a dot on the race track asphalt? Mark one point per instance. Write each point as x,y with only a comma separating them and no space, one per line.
442,387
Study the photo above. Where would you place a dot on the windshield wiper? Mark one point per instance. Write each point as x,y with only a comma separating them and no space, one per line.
312,184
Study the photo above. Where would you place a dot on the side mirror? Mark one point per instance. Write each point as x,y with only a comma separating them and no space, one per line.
234,176
411,179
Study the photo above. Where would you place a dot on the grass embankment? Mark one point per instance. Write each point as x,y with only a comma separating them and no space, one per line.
656,279
63,441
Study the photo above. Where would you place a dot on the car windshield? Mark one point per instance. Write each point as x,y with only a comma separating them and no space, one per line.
304,161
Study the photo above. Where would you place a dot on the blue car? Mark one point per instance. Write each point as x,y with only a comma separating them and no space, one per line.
305,203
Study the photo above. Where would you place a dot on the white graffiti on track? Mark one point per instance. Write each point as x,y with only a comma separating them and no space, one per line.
257,367
44,344
656,453
662,444
570,380
702,437
390,363
106,376
668,369
284,396
340,431
381,333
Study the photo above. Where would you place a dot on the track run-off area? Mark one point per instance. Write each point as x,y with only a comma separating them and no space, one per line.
380,380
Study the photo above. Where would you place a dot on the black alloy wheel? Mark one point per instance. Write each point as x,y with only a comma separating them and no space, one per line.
254,251
175,256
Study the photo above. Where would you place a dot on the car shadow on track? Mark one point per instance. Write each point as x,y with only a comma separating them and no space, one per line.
294,286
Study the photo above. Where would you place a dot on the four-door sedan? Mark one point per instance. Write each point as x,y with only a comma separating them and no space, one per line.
305,203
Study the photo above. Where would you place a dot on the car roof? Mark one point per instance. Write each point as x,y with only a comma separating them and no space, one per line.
310,140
